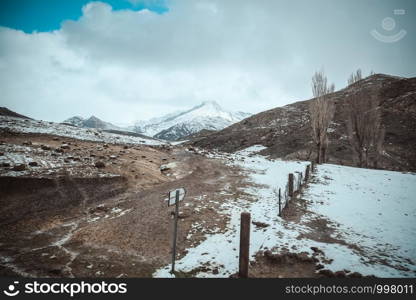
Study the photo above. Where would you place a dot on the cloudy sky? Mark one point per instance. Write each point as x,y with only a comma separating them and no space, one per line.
126,60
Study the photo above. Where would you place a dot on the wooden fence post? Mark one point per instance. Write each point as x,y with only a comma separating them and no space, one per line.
244,245
290,184
280,204
175,231
307,173
312,166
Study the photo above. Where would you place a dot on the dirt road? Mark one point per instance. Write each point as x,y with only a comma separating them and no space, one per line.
91,224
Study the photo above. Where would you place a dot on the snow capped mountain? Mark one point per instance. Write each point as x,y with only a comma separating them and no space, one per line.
91,122
208,115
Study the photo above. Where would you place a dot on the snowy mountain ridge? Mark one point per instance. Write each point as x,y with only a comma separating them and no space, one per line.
208,115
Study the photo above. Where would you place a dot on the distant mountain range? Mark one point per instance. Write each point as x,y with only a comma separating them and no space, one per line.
208,115
91,122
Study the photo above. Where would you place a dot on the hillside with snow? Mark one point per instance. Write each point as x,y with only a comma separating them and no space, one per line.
208,115
356,221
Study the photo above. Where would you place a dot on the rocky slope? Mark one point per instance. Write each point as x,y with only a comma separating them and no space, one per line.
286,133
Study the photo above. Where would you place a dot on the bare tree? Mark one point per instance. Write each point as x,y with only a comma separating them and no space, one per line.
365,131
321,111
355,77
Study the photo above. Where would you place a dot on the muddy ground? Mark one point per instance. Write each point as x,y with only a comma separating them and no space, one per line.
102,222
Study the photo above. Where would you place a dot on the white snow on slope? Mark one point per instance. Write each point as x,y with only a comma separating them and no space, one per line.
378,256
376,210
89,134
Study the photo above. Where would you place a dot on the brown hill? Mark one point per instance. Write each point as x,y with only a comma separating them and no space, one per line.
287,134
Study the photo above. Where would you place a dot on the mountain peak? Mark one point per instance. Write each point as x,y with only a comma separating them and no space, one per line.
94,118
208,106
210,103
208,115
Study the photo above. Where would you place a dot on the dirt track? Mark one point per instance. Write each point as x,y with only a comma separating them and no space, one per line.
80,229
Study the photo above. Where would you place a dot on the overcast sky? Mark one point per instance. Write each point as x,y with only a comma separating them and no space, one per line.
153,57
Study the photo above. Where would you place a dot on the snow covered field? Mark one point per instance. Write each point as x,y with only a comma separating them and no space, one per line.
87,134
376,210
371,209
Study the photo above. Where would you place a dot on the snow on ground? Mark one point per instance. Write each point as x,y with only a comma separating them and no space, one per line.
88,134
371,208
220,250
375,209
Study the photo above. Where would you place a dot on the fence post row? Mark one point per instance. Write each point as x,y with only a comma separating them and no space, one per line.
244,244
292,183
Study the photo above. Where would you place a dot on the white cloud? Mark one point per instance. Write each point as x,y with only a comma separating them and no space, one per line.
127,65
